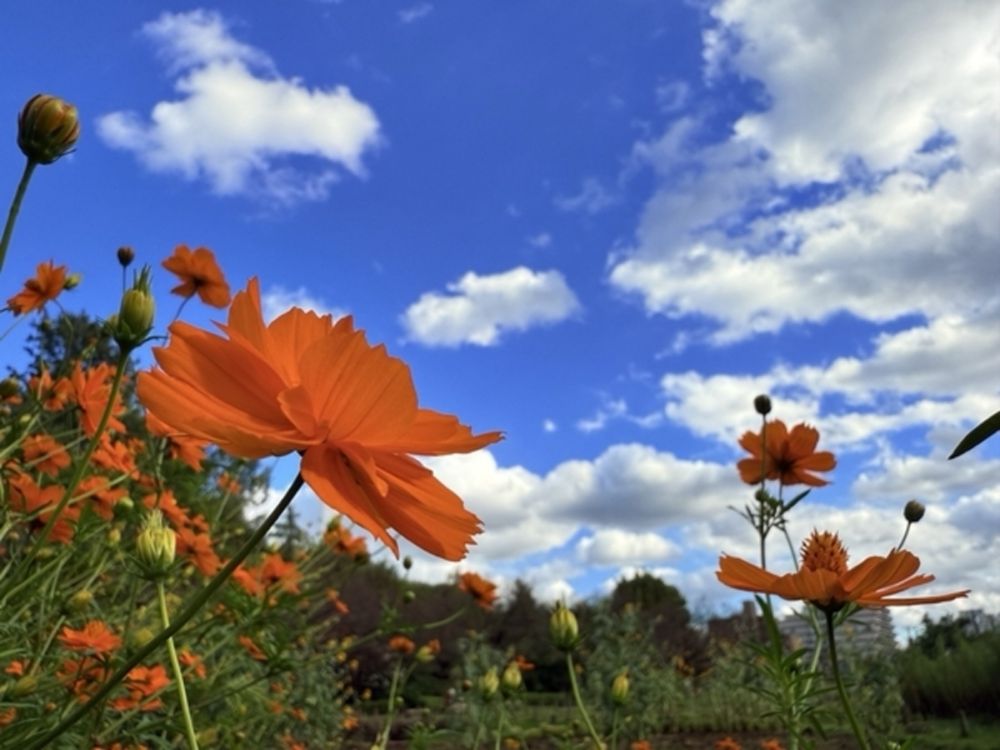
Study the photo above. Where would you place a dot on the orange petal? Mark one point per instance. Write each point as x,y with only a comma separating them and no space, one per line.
434,434
740,574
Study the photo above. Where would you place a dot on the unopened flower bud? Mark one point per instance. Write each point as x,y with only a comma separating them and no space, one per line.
80,600
913,511
762,404
47,128
24,686
510,680
156,546
135,316
619,689
426,653
140,637
407,562
408,596
563,628
125,255
114,536
489,683
72,281
9,387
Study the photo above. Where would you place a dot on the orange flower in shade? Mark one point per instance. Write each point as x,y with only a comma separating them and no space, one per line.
91,388
199,274
771,744
95,638
44,286
342,542
306,384
198,549
825,580
83,676
142,684
192,663
482,591
728,743
46,452
333,597
29,498
401,645
15,668
277,571
788,456
640,745
7,716
103,497
252,648
54,395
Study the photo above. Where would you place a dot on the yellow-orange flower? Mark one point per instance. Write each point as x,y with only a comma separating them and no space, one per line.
787,456
49,280
482,591
825,580
94,638
199,274
303,383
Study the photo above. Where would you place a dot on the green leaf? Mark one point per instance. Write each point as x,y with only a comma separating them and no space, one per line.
979,433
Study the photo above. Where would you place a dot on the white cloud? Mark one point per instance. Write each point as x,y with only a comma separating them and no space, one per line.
549,425
617,409
237,122
592,198
479,309
415,12
854,96
540,240
277,299
617,547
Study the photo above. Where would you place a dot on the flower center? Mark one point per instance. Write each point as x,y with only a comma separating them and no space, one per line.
823,551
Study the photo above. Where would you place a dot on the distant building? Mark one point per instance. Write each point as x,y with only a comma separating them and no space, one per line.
746,625
867,632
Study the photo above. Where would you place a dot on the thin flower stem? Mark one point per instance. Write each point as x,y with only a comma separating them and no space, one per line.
383,736
175,664
500,721
906,533
598,743
762,533
15,207
841,690
182,619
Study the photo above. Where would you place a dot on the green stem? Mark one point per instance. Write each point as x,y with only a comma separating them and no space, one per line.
182,619
500,721
15,206
841,690
175,664
598,743
906,533
383,736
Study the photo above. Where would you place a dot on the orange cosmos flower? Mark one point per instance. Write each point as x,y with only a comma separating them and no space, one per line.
45,285
198,549
771,744
825,580
192,663
94,638
48,455
482,591
306,384
91,389
342,542
184,448
788,456
143,684
199,274
252,648
401,645
28,497
54,395
728,743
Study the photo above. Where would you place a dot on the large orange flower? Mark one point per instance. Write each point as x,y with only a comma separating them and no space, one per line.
825,580
49,280
303,383
788,456
199,274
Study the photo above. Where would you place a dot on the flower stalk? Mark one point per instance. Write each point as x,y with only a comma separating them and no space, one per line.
841,690
175,664
15,208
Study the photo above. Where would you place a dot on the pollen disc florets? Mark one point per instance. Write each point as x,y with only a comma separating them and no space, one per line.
823,551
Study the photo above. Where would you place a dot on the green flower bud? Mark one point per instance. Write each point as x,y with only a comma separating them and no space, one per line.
762,404
135,316
510,680
155,546
72,281
125,255
140,637
80,601
9,387
619,689
563,628
489,683
47,128
24,686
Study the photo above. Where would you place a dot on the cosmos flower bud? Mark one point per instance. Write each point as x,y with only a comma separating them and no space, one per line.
762,404
563,628
913,511
9,387
72,281
47,128
619,689
155,546
135,316
125,255
407,562
79,601
510,680
489,683
426,653
24,687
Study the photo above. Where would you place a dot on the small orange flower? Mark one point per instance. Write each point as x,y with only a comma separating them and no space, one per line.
91,389
192,663
482,591
54,395
788,456
728,743
199,550
15,668
7,716
28,497
825,580
252,648
640,745
305,384
95,638
49,280
771,744
143,684
47,452
523,664
342,542
199,274
276,570
103,497
184,448
333,597
401,645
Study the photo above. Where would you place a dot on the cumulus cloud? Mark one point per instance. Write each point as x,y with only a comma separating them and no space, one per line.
415,12
617,547
592,198
237,123
617,409
898,146
479,309
277,299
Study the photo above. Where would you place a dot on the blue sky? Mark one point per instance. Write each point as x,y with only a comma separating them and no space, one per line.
602,227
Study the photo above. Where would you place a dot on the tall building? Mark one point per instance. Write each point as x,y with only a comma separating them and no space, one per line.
867,632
